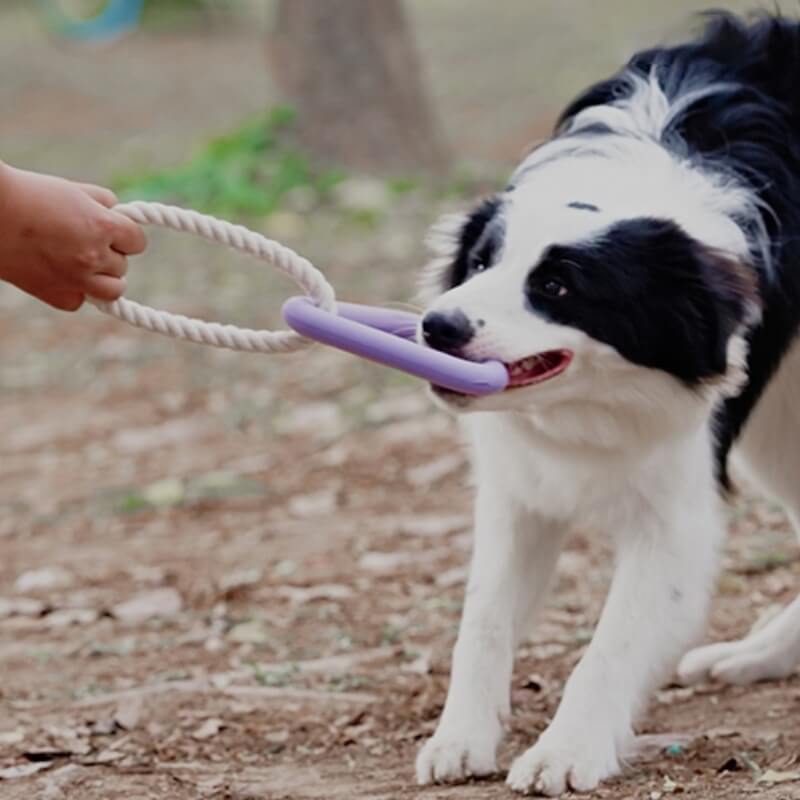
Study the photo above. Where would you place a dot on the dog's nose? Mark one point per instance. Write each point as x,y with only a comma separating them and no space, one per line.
447,330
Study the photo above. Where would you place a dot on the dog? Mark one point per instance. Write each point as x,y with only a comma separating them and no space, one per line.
640,279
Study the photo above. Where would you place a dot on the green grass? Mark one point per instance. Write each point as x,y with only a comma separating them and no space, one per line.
247,172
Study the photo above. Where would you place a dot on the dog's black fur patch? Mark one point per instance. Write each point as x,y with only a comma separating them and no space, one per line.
650,291
750,128
480,239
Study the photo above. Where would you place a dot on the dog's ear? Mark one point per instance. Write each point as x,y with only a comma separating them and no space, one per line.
734,288
453,241
443,242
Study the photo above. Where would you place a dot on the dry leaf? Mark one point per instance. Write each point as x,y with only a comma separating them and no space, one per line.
772,777
44,578
12,737
66,617
128,713
164,602
21,606
326,591
23,770
210,728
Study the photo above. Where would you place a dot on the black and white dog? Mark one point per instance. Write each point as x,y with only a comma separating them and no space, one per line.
641,279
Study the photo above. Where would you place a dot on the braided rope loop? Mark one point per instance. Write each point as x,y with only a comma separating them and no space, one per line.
177,326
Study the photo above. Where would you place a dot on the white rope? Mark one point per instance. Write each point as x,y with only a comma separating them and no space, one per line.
308,277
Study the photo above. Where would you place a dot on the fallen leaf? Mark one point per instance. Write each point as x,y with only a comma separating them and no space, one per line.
21,606
421,665
433,525
670,787
429,474
128,713
164,602
164,493
210,728
23,770
317,504
240,579
106,757
44,578
250,632
12,737
325,591
452,577
772,777
65,617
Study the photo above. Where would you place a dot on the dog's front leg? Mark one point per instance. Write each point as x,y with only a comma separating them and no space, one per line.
656,607
513,559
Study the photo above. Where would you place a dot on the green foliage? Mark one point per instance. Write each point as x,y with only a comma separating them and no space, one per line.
247,172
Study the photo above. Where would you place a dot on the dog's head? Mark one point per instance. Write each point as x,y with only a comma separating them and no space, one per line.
613,279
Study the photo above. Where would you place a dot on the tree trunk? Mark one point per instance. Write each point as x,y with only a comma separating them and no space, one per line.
351,71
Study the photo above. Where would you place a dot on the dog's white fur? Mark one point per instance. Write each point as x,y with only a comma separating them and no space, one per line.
607,446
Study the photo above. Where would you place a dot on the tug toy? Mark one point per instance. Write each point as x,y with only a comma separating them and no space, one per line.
382,335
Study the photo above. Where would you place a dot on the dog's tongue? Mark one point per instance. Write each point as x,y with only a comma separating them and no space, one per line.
538,368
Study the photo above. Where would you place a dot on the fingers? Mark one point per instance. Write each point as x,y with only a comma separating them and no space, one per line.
105,287
127,237
102,195
113,263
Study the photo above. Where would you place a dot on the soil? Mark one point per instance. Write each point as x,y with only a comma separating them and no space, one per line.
228,576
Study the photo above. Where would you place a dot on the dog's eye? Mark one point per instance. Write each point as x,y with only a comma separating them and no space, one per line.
479,266
552,288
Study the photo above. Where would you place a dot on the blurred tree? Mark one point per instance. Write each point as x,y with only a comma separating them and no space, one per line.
350,69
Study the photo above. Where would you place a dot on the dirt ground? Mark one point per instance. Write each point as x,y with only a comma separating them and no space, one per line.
228,576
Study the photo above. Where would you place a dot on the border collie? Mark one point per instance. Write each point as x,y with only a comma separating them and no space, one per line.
640,277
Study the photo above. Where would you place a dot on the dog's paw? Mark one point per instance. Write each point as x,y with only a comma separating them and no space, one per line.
457,753
739,663
558,763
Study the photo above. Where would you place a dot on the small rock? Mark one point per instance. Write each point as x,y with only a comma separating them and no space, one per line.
44,579
164,602
128,713
21,607
421,665
165,493
250,632
239,579
317,504
210,728
66,617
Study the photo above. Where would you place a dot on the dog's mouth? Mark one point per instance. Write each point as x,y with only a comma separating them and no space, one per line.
538,368
526,372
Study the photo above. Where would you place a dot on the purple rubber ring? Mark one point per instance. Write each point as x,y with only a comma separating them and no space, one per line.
388,337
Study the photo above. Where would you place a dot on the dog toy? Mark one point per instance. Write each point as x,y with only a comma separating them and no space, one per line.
115,19
382,335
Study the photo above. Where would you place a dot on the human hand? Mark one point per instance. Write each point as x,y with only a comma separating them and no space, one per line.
60,241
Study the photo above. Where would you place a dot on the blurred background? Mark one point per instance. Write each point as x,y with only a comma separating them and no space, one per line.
258,542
